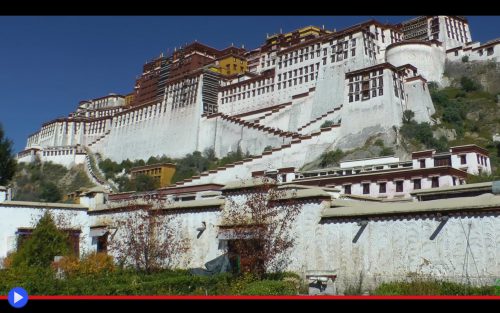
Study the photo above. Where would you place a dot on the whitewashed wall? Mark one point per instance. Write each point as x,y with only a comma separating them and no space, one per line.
14,217
389,250
429,60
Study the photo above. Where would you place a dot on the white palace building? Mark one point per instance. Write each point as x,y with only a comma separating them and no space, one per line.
384,217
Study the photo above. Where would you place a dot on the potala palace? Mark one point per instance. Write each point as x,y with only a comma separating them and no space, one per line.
362,78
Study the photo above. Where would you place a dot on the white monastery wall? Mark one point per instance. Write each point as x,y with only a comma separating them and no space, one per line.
429,60
25,217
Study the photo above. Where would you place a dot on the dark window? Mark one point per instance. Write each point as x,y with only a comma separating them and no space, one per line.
422,163
442,161
366,188
102,243
435,182
399,186
417,184
347,189
463,159
382,188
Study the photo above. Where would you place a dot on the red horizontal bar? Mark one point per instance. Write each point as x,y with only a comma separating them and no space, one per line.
304,297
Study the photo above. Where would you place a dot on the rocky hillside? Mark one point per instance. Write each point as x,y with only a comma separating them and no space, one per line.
47,182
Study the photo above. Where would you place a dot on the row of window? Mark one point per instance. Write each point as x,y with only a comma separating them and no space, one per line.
482,160
299,80
248,94
297,72
299,59
489,51
60,152
129,117
398,86
297,52
253,85
382,187
365,95
456,31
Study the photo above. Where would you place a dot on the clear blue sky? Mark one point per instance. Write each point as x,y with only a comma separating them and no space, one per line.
49,64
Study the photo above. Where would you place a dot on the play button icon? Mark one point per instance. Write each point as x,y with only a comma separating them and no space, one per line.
18,297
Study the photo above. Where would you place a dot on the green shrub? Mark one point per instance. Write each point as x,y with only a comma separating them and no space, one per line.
386,151
269,287
327,124
431,287
331,158
469,85
465,59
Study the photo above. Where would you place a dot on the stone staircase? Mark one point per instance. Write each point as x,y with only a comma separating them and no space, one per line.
95,173
262,119
269,130
205,177
99,138
320,119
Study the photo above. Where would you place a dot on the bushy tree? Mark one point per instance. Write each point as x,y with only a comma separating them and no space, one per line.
49,192
43,245
7,159
469,85
145,183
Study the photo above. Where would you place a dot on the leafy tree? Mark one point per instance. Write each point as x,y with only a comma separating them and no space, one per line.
43,245
152,160
7,159
145,183
209,154
109,168
49,192
465,59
